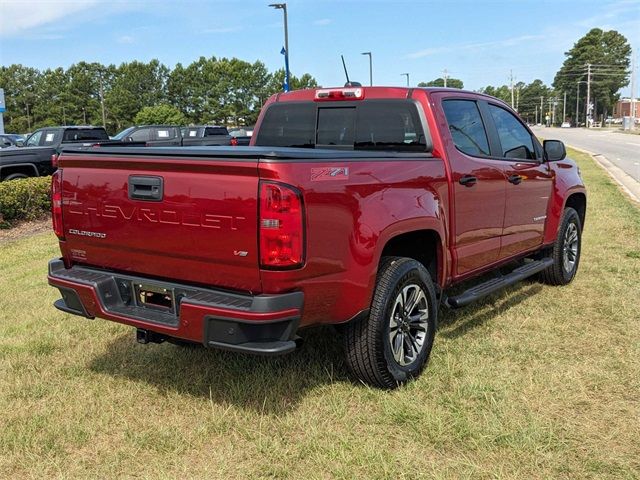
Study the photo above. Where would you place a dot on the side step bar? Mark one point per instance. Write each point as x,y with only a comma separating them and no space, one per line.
486,288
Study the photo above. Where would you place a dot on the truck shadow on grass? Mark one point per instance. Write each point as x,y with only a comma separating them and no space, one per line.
456,323
272,385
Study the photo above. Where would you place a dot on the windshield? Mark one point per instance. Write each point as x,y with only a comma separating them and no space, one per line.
123,134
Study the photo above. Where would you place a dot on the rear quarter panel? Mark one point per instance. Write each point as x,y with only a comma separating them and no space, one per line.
349,221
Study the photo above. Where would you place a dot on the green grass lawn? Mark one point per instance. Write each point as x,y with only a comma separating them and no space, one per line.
535,382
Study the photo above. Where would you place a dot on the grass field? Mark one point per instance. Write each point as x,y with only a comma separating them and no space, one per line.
535,382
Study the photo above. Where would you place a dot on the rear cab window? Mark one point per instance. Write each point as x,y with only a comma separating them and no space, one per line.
211,131
84,135
393,125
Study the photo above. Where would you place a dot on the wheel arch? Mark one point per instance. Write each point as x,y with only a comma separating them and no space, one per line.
423,245
27,169
578,201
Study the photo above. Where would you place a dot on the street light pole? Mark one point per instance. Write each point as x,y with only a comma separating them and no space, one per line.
406,75
283,7
370,68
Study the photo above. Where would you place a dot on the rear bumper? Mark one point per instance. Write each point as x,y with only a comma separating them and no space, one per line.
262,324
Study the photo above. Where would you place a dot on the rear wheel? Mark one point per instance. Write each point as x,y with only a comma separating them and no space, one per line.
566,250
15,176
392,345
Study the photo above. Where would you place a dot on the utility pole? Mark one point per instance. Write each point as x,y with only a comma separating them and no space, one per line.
577,105
541,108
564,108
28,118
633,91
64,116
370,68
511,80
445,77
536,114
406,75
588,109
517,98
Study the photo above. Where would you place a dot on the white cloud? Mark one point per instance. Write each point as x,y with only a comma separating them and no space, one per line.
125,39
507,42
220,30
19,17
322,22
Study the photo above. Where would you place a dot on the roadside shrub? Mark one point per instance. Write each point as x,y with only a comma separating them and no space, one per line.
24,199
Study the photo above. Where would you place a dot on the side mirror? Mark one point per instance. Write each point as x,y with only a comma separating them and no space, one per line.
128,139
554,150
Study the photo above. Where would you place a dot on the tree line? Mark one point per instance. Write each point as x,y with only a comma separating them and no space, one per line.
604,56
209,90
231,91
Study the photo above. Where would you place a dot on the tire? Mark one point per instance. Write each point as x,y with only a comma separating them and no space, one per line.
15,176
390,347
565,251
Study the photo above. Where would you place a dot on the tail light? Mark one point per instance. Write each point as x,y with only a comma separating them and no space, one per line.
281,227
234,141
56,203
54,160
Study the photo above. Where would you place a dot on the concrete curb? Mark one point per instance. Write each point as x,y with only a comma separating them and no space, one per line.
627,183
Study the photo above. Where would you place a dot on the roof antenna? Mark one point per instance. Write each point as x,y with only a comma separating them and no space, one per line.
346,74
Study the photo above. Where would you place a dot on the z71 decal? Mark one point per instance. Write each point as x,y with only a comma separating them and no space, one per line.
329,173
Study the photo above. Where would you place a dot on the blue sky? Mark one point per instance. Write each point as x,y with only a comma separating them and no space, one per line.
477,41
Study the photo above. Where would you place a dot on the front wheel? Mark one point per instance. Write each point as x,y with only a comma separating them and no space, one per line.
566,250
392,345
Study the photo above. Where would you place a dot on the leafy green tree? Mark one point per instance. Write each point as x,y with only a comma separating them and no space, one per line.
135,86
609,53
439,82
20,86
162,114
227,91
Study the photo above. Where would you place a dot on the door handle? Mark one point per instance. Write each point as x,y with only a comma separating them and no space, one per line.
146,188
468,180
515,179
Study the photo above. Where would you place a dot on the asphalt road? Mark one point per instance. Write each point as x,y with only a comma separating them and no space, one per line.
623,150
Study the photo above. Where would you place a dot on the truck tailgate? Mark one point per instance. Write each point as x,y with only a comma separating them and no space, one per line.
187,219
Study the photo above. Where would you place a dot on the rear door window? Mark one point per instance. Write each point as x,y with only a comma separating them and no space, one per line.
49,138
167,133
466,127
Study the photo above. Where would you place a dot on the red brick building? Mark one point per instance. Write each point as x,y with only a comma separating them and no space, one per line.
623,108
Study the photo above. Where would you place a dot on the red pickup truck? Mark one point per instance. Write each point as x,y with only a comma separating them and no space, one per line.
359,207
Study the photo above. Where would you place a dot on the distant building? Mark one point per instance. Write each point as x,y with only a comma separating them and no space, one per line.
623,108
